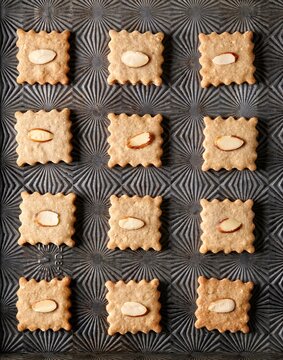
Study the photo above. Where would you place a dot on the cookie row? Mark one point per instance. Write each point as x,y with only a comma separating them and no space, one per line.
135,222
133,306
136,140
136,57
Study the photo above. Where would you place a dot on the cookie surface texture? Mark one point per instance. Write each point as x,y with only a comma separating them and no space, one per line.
47,219
218,68
43,136
34,64
136,46
144,293
211,291
34,299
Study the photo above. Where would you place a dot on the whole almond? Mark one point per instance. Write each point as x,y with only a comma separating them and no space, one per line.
140,141
41,56
47,218
131,223
134,59
229,142
132,308
222,306
40,135
229,225
44,306
225,59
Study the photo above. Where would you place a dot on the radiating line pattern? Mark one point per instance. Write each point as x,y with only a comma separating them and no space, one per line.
90,60
197,341
188,107
184,61
140,99
89,309
96,16
47,341
8,300
147,265
97,342
49,177
146,15
240,342
8,60
190,17
47,15
11,18
183,104
46,261
244,15
182,308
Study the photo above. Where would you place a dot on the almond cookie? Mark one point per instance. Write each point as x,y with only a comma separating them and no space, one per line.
134,222
230,143
223,305
226,58
133,306
43,57
135,140
135,57
43,136
227,226
47,219
44,305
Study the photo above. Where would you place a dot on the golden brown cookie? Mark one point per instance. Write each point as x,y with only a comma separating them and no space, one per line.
230,143
43,57
133,306
47,219
226,58
43,136
134,222
227,226
135,57
44,305
135,140
223,304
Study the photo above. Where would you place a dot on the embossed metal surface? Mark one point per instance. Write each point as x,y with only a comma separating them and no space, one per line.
180,180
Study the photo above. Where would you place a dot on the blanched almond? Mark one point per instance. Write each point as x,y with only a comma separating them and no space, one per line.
47,218
131,223
229,225
134,59
132,308
225,58
229,142
222,306
44,306
41,56
140,141
40,135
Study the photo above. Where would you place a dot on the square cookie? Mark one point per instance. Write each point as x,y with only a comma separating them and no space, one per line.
43,136
135,57
43,57
134,222
44,305
135,140
226,58
230,143
227,226
133,306
47,219
223,305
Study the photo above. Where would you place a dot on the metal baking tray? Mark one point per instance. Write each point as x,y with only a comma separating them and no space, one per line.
183,103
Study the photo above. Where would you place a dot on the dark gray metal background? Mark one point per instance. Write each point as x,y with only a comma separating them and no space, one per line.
180,181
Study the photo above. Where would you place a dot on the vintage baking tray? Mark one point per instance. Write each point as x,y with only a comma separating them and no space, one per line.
183,103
